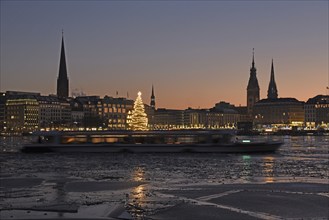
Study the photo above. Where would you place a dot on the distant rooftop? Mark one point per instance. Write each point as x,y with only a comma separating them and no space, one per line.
278,100
319,99
22,93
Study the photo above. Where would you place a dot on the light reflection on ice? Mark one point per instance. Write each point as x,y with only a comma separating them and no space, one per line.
138,174
268,169
137,202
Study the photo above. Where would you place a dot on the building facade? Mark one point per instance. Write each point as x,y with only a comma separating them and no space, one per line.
114,112
196,118
22,115
317,112
280,112
54,113
90,106
226,115
166,119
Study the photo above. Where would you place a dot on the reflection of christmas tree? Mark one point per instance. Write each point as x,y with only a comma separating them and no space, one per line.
138,120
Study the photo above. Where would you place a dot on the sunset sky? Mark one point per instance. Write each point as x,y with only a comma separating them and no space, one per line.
195,53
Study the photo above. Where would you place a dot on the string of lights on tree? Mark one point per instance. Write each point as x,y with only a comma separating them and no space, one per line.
138,118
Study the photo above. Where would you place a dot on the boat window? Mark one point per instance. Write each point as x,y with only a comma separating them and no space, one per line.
111,139
67,140
97,139
186,139
80,139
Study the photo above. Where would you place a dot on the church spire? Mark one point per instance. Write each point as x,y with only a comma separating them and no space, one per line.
252,88
253,57
152,104
253,82
272,92
62,80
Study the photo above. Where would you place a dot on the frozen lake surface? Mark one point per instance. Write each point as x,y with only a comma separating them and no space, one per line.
291,183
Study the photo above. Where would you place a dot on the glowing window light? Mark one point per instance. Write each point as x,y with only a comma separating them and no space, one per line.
245,141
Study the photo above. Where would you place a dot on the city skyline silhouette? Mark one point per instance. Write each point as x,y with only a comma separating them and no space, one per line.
196,57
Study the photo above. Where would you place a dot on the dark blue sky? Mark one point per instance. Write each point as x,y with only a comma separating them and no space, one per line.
195,53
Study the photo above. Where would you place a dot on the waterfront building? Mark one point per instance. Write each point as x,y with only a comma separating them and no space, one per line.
21,107
223,115
65,114
77,120
22,115
77,115
196,118
252,89
92,112
54,113
210,118
62,80
108,113
317,112
166,119
114,112
278,112
214,118
243,113
150,116
226,118
244,123
49,112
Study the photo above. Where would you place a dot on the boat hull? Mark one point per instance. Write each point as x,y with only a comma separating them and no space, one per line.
260,147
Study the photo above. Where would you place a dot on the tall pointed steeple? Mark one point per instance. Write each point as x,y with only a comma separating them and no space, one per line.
62,80
272,92
253,82
252,88
253,58
152,104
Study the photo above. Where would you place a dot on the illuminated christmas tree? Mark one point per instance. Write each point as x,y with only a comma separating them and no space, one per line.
138,121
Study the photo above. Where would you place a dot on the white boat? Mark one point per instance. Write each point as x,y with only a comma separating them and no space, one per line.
221,141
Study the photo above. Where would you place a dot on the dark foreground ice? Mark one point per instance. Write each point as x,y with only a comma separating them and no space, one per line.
291,183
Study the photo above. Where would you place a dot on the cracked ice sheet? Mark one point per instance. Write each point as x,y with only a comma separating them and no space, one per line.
101,211
58,194
264,201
